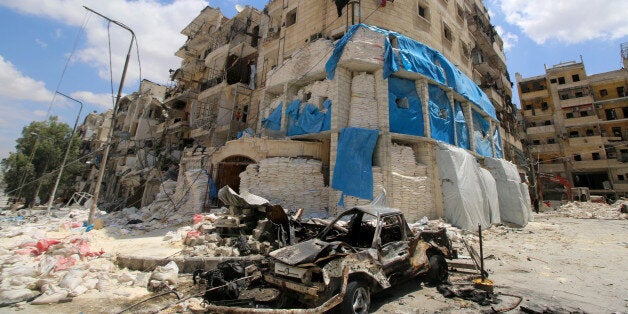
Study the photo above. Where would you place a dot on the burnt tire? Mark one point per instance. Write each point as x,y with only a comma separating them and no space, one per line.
438,272
357,299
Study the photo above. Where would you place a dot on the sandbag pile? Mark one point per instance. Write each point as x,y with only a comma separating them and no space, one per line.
378,187
45,270
365,46
363,113
411,187
279,179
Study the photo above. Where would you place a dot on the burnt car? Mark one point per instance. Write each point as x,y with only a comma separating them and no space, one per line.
364,250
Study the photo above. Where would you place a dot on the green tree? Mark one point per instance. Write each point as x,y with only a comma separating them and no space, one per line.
34,166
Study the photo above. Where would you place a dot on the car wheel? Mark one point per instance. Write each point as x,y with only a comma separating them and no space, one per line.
357,299
438,272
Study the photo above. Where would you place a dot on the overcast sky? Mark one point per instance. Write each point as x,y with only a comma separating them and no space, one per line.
39,36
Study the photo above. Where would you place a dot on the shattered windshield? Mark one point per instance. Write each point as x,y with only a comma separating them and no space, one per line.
354,227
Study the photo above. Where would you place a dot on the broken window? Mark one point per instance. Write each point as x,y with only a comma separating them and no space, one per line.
610,114
424,11
569,115
447,33
577,157
603,92
620,91
528,107
589,132
574,134
536,142
551,141
354,227
544,105
291,18
595,156
579,94
561,80
402,103
620,177
553,81
391,229
575,77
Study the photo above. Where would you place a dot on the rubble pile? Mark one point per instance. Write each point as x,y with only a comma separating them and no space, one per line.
588,210
279,179
51,261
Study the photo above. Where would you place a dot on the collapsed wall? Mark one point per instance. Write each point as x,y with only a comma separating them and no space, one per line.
290,182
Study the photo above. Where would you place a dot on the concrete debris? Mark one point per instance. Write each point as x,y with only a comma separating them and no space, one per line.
588,210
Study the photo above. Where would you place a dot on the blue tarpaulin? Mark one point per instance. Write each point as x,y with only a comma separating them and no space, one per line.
292,114
462,129
441,115
404,107
327,121
497,139
481,134
213,191
353,172
273,122
419,58
308,119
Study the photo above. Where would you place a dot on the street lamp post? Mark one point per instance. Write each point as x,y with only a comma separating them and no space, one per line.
67,151
105,154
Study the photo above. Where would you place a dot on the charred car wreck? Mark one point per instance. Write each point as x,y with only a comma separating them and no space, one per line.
363,251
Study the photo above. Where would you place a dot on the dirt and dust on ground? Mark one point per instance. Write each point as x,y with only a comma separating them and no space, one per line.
558,262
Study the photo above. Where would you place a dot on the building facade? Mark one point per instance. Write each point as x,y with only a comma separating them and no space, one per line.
576,127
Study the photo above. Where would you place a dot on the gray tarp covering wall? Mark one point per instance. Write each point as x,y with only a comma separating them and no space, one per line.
463,188
514,206
490,195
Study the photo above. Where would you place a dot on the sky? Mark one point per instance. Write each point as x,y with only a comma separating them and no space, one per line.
56,45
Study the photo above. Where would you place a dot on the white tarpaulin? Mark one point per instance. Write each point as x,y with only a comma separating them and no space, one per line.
489,187
462,187
514,206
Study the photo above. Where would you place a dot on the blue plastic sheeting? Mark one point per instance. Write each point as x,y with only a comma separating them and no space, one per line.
419,58
462,129
497,139
327,121
404,120
273,122
441,115
464,86
292,114
353,173
213,191
482,138
308,119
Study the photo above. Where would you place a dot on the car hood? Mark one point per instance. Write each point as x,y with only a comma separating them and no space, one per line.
309,251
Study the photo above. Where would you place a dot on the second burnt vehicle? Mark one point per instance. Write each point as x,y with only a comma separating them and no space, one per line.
364,250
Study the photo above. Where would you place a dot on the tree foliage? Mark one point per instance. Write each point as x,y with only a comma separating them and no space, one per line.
38,156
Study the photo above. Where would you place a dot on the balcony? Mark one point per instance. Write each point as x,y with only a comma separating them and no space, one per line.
545,149
494,96
590,165
552,168
578,101
586,141
534,94
541,129
581,121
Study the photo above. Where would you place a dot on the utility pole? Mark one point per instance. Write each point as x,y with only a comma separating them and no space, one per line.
103,163
65,157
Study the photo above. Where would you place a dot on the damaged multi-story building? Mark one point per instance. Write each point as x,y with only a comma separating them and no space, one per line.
325,104
576,128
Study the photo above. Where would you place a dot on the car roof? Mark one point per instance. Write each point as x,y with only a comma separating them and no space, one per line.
377,210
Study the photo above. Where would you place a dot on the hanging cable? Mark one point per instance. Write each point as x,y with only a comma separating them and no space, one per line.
113,104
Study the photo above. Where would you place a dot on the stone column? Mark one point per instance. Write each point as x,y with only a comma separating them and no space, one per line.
423,91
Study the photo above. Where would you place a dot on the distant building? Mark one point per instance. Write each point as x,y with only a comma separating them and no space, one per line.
576,125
